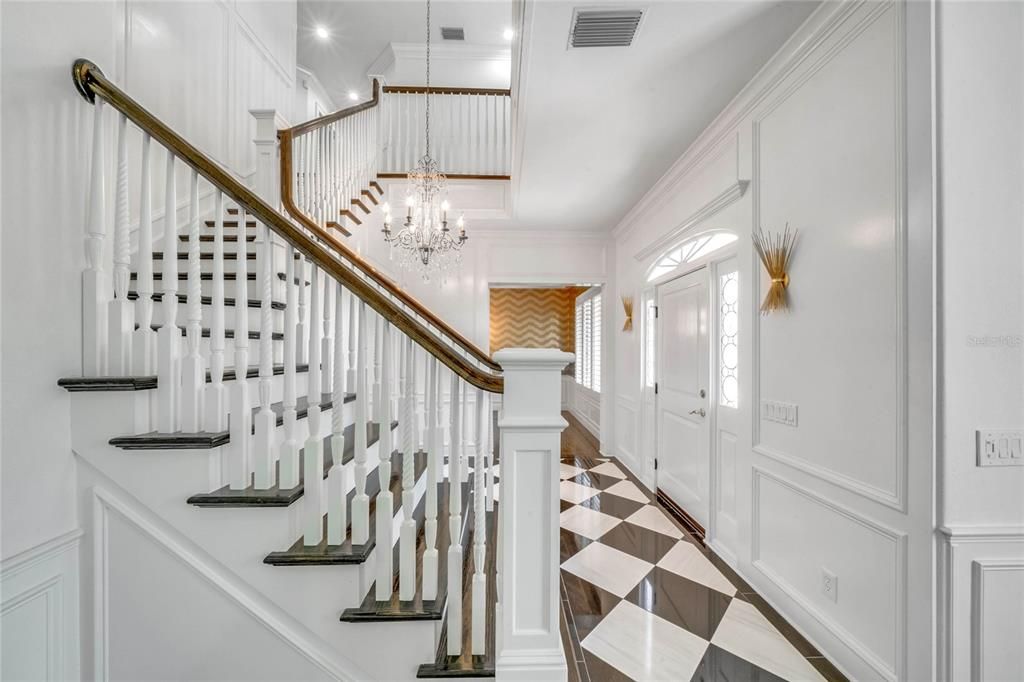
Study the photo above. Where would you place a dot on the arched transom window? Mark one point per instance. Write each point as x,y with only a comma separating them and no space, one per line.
688,251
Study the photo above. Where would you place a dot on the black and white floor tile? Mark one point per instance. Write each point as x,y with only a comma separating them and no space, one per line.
644,602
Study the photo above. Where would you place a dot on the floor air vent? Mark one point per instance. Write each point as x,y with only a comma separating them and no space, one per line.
453,33
604,28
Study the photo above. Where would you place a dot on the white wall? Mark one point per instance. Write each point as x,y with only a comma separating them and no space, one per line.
831,136
311,99
200,67
980,58
467,65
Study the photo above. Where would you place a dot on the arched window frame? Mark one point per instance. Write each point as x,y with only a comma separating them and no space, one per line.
693,249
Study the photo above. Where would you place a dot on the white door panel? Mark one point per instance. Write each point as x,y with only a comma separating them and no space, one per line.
682,404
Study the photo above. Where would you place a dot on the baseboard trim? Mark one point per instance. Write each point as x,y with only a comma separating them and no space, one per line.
680,514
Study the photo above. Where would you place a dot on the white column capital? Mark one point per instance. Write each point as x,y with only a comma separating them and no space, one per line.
530,425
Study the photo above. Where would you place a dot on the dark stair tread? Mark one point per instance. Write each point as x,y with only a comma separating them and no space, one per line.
254,334
277,497
209,238
418,609
206,255
208,300
230,223
208,277
155,440
466,664
145,383
325,554
83,384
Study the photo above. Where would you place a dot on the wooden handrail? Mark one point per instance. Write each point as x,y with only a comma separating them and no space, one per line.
286,138
327,119
434,90
91,83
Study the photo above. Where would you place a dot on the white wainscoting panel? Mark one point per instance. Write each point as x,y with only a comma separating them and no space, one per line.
141,566
797,534
586,406
850,388
981,607
39,613
626,414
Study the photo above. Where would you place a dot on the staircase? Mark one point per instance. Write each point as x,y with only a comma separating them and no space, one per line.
339,468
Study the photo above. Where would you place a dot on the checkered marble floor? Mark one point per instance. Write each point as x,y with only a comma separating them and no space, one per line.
645,602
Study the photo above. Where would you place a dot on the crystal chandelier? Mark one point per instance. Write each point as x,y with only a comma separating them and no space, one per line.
426,242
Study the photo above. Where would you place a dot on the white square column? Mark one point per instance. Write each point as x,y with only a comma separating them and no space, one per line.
529,644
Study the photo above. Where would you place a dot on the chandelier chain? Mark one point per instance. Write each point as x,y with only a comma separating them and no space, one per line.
428,79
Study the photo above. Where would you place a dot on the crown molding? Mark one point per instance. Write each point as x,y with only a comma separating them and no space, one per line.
805,40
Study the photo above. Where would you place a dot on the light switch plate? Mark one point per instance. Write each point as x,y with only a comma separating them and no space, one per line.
782,413
1000,447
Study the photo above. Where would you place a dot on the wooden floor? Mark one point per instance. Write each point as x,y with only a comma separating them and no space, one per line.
671,604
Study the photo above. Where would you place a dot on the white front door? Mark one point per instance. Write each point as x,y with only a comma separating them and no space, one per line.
682,390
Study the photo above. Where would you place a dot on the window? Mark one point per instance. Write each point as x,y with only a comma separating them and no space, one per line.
650,313
691,250
588,340
728,330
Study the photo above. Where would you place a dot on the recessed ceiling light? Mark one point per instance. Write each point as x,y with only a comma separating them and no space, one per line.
509,34
322,33
353,95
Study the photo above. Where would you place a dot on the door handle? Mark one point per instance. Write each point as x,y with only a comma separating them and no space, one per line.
701,412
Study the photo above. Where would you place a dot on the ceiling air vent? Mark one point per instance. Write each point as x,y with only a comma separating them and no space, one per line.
453,33
604,28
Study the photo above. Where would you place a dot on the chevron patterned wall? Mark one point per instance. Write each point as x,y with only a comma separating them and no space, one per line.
534,318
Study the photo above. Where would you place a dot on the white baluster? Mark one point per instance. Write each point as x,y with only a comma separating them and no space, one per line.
361,501
169,336
407,550
121,313
193,371
350,380
466,445
378,352
144,342
95,280
302,327
241,416
479,624
337,485
434,460
289,458
385,501
489,455
216,405
327,342
313,453
454,624
266,419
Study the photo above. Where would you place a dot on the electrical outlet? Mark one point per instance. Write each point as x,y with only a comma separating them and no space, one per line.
829,584
782,413
1000,447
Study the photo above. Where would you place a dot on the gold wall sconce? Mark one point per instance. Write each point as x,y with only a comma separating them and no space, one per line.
775,251
627,306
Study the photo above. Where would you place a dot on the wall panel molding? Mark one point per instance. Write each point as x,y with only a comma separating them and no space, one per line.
898,539
896,495
105,503
965,555
39,611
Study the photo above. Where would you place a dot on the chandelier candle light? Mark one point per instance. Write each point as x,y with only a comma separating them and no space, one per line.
425,240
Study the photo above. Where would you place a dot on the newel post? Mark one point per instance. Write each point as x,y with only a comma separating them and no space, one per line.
529,646
266,181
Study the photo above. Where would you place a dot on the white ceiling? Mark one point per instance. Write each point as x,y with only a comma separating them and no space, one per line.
601,125
360,30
